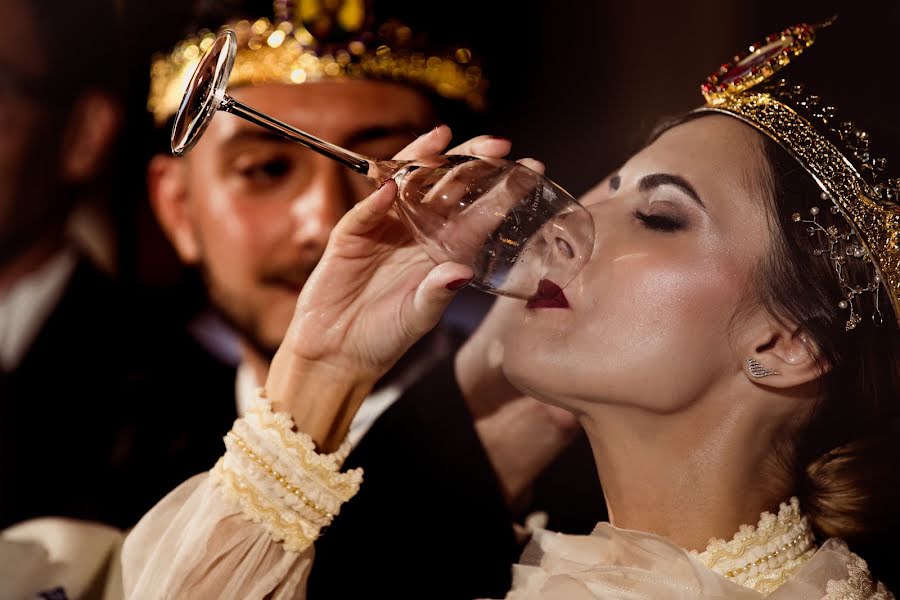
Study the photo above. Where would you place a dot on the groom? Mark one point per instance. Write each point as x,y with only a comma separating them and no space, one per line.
449,471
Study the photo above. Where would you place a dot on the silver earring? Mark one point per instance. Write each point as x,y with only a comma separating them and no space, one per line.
759,371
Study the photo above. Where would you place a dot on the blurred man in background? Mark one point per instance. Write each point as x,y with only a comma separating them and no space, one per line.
88,381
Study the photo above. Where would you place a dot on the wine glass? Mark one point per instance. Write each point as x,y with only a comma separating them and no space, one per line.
512,225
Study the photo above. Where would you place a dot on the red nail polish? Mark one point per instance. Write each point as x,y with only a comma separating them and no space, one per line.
459,283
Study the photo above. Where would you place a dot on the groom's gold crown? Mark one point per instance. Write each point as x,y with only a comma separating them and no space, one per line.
312,40
831,149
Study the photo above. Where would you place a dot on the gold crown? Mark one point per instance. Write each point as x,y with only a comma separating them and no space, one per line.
835,153
286,52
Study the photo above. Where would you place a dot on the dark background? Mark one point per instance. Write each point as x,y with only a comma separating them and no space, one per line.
577,84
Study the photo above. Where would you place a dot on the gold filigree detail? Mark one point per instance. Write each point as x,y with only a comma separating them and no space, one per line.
760,62
876,224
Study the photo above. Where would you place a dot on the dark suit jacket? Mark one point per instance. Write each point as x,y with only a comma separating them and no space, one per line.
110,409
430,520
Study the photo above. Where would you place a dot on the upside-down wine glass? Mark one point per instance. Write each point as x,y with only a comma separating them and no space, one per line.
518,230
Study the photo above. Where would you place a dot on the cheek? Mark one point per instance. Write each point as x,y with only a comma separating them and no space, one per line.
649,323
243,229
668,302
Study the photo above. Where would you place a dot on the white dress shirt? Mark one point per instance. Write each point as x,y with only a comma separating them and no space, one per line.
375,403
28,303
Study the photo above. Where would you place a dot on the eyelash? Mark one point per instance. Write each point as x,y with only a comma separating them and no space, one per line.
659,222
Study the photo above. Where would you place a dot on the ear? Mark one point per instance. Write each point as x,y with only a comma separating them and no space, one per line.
784,350
88,136
168,191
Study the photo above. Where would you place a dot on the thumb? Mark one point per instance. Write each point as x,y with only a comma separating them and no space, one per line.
435,293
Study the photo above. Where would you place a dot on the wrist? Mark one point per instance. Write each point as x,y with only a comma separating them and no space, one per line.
321,397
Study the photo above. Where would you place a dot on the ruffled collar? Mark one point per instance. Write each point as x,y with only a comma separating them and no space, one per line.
765,556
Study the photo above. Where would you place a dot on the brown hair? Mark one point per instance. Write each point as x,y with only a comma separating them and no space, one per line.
846,458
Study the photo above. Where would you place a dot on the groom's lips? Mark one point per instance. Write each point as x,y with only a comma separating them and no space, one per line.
548,295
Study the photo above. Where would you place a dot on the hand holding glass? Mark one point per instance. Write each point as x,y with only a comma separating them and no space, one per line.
512,225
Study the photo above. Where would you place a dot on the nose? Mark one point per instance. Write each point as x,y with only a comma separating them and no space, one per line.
569,240
318,207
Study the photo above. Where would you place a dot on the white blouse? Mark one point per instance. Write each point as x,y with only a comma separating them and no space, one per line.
246,530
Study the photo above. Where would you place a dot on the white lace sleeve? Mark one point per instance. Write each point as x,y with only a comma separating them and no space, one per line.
834,573
858,584
245,530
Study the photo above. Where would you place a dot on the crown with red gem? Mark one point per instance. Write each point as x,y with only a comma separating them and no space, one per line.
312,41
833,151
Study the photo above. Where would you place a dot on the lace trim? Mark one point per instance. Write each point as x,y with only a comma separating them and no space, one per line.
858,585
282,528
280,427
762,558
276,478
288,486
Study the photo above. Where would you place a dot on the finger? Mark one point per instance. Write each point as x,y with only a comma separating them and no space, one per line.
435,293
534,165
368,213
428,144
484,145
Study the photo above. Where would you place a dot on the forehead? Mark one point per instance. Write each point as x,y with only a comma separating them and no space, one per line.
710,142
332,109
721,157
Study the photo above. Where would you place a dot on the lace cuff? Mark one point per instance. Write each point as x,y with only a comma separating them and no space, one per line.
277,478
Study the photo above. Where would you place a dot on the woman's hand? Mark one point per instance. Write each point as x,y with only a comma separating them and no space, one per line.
373,294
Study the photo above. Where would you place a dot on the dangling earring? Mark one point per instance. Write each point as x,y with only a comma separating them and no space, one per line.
759,371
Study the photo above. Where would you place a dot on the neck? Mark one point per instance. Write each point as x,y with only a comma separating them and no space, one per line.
689,477
33,258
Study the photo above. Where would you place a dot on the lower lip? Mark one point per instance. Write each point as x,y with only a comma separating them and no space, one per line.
549,295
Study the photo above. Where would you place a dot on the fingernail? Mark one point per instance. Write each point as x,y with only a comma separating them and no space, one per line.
459,283
500,139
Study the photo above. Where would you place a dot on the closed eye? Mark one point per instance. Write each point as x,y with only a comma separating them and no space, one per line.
657,222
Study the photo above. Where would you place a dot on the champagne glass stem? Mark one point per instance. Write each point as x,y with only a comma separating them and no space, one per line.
359,164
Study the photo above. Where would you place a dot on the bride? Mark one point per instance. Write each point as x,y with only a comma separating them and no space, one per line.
731,350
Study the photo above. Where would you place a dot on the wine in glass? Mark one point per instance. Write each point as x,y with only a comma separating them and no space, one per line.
512,225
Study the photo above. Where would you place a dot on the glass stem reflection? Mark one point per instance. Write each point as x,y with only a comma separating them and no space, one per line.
357,163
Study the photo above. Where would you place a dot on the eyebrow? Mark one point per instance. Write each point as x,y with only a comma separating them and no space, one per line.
255,134
649,182
367,134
